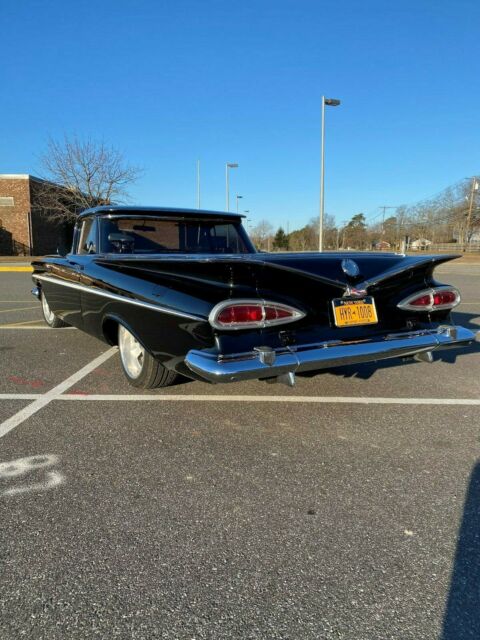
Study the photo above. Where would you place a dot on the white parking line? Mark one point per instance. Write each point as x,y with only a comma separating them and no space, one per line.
239,398
46,398
297,399
11,310
16,327
20,396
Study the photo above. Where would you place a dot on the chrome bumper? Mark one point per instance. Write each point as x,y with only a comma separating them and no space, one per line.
264,362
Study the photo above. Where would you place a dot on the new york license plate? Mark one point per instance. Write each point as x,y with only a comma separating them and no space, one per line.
349,313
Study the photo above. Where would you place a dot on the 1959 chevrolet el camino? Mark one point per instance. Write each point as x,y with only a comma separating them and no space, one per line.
185,292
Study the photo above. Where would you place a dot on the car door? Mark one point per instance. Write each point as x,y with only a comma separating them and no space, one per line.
63,292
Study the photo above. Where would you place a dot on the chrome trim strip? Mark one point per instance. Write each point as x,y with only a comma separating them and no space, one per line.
114,296
261,324
248,366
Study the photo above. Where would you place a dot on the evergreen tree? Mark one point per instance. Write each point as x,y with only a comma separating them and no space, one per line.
281,239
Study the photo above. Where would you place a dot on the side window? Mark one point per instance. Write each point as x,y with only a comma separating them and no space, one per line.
88,237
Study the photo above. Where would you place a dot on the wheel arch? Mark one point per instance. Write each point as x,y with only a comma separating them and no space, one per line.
110,330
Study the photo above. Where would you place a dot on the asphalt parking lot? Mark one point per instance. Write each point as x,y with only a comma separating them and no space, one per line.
347,507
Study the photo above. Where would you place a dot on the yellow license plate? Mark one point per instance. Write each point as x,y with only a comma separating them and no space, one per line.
351,313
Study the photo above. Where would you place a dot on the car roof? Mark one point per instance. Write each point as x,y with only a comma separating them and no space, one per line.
153,211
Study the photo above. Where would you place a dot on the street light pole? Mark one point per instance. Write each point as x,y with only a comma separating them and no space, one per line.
198,184
228,165
332,102
238,198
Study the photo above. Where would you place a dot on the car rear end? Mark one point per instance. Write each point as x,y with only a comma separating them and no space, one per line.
311,312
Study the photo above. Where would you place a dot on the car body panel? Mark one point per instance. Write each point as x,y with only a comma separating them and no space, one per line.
165,299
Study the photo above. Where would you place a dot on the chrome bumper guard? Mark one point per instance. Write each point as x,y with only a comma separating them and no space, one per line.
264,362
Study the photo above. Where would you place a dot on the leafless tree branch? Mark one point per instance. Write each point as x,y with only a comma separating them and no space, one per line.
80,174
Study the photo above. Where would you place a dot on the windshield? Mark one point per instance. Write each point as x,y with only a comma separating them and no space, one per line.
169,235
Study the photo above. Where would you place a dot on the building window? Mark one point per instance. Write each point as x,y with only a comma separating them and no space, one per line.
6,201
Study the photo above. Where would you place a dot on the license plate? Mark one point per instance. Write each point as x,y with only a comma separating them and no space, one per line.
351,313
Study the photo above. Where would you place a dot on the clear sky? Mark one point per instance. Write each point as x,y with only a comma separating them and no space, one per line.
170,81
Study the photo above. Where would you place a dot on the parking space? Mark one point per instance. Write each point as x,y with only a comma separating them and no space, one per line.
347,507
9,407
17,305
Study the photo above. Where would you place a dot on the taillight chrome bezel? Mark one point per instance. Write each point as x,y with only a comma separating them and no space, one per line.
256,324
407,306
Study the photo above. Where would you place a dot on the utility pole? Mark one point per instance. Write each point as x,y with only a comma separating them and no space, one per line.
470,209
344,228
385,207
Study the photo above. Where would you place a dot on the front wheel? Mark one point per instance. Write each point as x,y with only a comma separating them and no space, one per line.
139,367
50,318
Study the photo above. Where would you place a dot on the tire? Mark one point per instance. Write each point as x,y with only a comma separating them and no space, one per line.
50,318
140,368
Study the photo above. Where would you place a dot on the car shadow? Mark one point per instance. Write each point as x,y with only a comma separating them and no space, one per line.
367,370
462,611
465,320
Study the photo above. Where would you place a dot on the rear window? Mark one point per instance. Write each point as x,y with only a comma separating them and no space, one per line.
152,235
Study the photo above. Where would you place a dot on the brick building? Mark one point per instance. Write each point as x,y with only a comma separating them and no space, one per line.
25,229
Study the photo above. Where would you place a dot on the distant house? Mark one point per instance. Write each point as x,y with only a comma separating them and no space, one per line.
420,245
25,228
382,245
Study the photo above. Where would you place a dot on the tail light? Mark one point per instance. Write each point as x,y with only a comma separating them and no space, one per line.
251,314
434,299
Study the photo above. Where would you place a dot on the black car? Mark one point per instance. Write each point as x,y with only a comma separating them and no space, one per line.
184,291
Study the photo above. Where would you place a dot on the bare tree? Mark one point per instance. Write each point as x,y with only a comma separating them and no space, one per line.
262,234
443,217
82,174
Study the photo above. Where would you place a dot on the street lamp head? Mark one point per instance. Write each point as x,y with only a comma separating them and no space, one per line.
332,102
238,197
232,165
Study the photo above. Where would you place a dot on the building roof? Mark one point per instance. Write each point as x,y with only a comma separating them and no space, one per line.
420,241
19,176
153,211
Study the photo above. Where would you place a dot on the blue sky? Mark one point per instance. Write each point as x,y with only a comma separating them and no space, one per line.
168,82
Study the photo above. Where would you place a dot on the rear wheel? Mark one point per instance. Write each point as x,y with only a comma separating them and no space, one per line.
139,367
50,318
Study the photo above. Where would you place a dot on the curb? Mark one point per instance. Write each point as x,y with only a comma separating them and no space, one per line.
27,269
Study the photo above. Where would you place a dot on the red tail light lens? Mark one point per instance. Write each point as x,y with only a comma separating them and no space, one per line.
434,299
241,313
444,297
422,301
246,314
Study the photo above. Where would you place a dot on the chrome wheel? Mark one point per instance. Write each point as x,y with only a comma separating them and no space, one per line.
131,353
47,312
